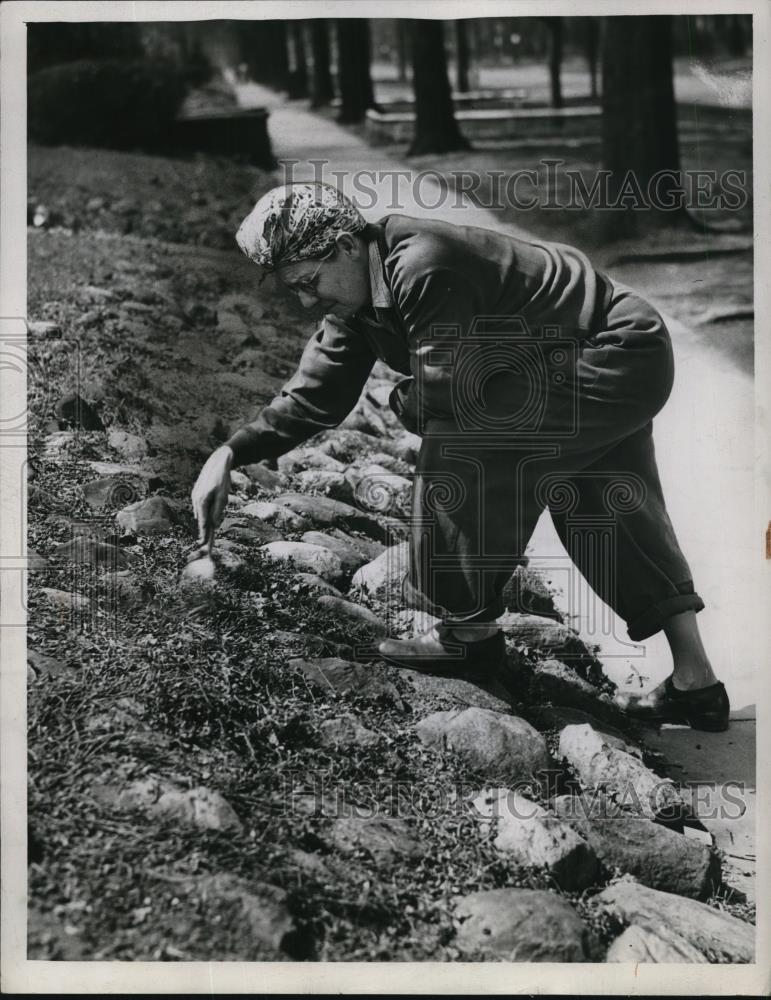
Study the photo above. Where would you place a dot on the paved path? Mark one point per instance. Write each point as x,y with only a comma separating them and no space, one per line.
704,450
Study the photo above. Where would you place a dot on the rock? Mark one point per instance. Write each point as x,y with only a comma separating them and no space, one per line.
271,513
717,935
346,678
406,447
73,411
240,481
389,569
44,329
350,445
345,730
355,613
153,516
521,925
130,446
57,442
454,690
247,530
545,635
88,550
333,513
378,489
317,583
113,491
312,645
263,476
505,747
307,558
300,459
261,910
199,572
636,944
350,558
125,589
560,716
330,484
556,682
529,835
368,548
65,599
527,592
41,667
230,324
35,562
621,775
657,857
385,838
200,807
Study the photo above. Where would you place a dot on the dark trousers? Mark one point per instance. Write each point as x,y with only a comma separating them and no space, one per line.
587,455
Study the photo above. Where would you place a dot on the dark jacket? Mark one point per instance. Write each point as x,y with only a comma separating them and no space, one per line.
444,280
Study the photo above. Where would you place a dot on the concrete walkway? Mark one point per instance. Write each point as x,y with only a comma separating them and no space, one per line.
703,436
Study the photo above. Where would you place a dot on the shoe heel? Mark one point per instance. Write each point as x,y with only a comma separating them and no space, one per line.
707,725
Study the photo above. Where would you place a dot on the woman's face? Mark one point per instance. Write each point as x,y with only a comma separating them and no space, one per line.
338,284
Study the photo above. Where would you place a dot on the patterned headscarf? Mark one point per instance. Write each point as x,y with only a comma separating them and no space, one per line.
295,222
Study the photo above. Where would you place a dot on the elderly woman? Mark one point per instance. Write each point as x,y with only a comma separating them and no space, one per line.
532,379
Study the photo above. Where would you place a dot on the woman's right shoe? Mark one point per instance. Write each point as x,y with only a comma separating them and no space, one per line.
706,708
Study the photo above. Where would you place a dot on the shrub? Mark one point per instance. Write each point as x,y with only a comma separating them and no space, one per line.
105,103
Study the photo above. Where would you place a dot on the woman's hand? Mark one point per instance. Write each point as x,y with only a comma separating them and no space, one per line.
210,497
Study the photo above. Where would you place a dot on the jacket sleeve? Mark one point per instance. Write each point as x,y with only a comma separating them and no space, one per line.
438,308
334,366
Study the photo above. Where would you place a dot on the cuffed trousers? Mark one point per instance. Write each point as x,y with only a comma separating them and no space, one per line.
584,450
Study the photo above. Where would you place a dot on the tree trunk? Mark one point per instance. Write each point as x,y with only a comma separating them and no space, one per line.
735,36
354,79
462,56
555,60
322,88
265,51
436,130
639,123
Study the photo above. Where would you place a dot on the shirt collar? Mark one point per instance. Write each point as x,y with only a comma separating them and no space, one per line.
381,293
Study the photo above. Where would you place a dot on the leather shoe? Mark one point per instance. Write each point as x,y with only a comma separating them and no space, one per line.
704,708
438,652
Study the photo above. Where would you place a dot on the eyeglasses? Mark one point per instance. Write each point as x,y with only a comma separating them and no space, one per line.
308,285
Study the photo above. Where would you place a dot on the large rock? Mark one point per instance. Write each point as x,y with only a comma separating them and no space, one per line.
560,716
342,677
356,614
263,476
505,747
388,570
521,925
248,530
368,548
98,554
346,730
348,445
271,513
556,682
717,935
200,807
546,635
379,489
130,446
624,777
334,514
67,600
529,835
262,910
318,583
114,491
657,856
453,690
350,557
528,592
384,837
636,944
307,558
153,516
323,483
300,459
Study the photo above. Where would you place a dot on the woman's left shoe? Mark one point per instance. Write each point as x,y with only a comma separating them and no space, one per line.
704,708
437,652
